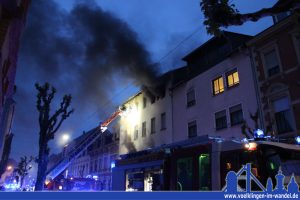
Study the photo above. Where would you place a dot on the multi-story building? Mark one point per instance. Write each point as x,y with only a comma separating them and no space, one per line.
207,100
12,21
218,94
276,59
97,160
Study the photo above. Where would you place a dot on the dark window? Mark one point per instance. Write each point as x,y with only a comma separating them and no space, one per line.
136,132
272,64
218,85
144,102
232,78
221,120
153,125
192,129
190,95
283,116
163,121
236,115
144,129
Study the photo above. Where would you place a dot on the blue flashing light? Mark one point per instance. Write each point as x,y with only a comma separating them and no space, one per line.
298,140
259,133
112,165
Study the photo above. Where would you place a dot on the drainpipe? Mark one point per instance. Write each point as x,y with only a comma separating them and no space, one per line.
258,98
172,117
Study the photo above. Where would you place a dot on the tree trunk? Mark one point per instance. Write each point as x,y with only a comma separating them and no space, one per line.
22,181
42,167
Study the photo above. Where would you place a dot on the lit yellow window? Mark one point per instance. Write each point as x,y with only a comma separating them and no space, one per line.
218,85
232,78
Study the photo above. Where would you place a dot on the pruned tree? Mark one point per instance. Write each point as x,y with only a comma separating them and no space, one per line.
48,124
23,168
220,13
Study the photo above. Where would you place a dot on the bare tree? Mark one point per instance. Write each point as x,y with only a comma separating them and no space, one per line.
220,13
23,168
48,126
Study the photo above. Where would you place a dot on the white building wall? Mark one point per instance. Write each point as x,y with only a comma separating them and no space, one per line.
207,104
137,115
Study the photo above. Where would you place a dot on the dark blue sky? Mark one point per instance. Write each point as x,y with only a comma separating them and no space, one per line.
159,25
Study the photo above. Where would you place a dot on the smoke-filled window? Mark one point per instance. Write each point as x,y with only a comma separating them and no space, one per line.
152,125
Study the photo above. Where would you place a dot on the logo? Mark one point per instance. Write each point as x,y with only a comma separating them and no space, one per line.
245,176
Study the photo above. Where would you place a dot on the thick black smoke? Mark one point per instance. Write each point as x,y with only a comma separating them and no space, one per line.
85,48
86,52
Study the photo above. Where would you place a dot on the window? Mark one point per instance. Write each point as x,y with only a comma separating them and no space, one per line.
221,121
236,115
136,133
283,116
298,42
153,125
218,85
192,129
190,96
271,62
232,78
144,129
163,121
144,102
204,172
100,164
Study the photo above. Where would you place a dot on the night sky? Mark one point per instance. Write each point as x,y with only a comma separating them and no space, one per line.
101,52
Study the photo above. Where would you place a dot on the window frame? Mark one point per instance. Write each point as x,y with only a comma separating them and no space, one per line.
136,132
188,128
152,125
163,123
144,129
268,48
272,100
224,127
295,36
230,115
230,73
193,102
213,85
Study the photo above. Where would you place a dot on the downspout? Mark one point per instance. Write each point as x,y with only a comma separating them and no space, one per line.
258,98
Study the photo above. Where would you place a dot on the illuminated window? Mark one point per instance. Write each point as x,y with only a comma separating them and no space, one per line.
136,132
236,115
163,121
190,96
221,120
144,102
271,62
192,129
232,78
153,125
144,129
298,42
218,85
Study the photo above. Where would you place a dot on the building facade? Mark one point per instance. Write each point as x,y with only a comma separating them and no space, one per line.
276,59
219,94
205,102
12,22
96,161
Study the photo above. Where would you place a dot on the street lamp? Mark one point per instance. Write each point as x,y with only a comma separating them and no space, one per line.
65,138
